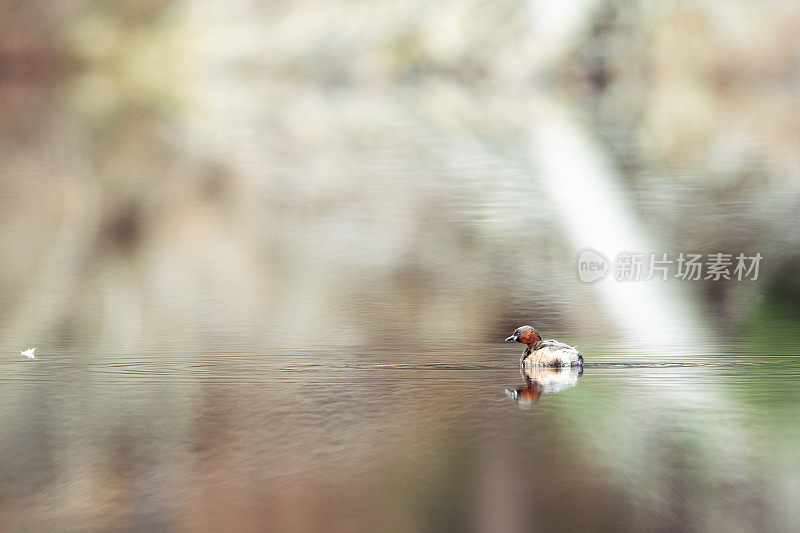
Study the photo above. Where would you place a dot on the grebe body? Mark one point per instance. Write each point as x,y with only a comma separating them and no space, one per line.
544,352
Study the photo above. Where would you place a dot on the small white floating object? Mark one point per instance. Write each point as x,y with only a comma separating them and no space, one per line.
30,353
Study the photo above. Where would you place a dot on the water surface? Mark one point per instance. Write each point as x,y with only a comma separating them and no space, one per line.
397,440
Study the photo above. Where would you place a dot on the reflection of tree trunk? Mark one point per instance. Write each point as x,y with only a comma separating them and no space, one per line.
593,210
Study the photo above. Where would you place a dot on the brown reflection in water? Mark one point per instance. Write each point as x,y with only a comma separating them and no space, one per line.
260,461
544,380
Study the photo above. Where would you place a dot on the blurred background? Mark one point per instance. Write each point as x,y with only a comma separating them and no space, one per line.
197,197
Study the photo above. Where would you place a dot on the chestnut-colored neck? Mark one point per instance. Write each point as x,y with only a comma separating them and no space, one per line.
530,337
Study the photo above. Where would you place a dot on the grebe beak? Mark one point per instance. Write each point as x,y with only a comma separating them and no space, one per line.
511,338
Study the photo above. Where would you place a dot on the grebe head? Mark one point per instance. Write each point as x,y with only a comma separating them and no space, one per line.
525,335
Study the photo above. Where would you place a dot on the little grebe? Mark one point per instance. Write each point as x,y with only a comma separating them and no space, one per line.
544,353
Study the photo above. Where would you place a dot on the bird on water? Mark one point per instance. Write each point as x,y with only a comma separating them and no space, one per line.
544,353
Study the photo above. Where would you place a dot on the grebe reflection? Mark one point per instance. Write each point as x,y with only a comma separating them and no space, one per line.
544,380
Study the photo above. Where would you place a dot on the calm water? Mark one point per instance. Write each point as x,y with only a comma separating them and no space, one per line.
418,438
